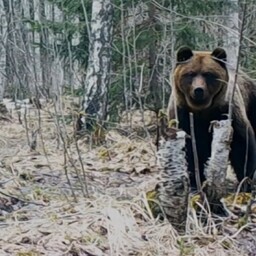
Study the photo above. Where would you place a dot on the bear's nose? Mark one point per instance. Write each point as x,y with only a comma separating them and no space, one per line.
199,93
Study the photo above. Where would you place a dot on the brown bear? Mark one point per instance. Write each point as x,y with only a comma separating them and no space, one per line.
200,86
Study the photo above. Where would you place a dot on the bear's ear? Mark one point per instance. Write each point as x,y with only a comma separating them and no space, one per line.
220,55
183,54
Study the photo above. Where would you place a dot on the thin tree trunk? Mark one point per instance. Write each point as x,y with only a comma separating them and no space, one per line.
26,52
9,43
44,50
19,71
154,85
33,51
3,43
231,35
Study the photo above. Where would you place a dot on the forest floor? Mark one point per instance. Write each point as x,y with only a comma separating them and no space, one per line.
44,204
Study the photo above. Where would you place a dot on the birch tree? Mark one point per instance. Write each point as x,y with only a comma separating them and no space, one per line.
231,36
44,49
98,70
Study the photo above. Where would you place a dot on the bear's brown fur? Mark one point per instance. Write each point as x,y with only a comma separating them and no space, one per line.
200,86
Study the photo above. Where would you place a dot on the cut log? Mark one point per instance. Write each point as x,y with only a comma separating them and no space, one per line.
173,188
217,165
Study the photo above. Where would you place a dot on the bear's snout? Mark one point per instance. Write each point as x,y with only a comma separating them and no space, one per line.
199,93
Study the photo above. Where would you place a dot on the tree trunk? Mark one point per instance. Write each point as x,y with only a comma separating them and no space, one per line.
98,70
154,85
231,35
45,60
3,43
34,54
9,71
20,76
24,39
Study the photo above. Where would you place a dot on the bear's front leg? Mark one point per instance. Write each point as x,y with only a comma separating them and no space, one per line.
243,150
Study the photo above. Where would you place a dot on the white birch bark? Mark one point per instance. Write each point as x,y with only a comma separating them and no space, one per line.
98,71
231,35
173,187
216,168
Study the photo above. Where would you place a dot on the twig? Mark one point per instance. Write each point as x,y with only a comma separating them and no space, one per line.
253,197
138,92
26,125
239,189
84,183
66,156
195,155
21,200
66,174
246,150
33,143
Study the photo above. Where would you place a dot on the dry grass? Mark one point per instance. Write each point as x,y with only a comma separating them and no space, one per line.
115,219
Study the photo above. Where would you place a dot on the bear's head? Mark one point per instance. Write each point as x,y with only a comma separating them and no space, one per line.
200,78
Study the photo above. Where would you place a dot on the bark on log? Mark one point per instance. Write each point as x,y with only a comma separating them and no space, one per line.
216,168
173,188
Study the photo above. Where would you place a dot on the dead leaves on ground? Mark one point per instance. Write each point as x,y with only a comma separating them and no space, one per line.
115,220
38,218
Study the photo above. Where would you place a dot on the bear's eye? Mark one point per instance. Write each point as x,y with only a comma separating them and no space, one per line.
190,74
210,76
